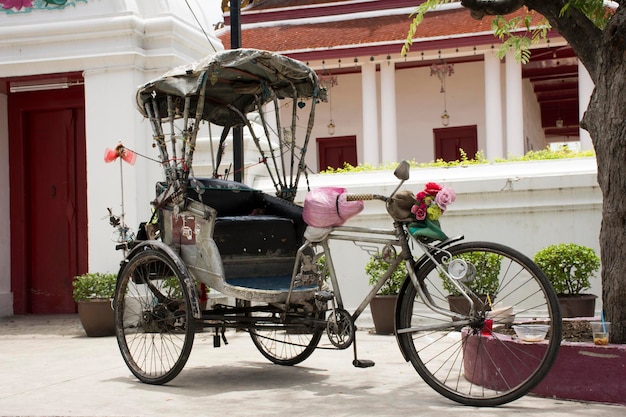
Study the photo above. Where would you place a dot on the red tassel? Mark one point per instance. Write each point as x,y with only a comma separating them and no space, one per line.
110,155
127,155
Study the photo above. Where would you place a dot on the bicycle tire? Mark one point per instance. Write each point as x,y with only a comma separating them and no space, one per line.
287,345
154,323
470,363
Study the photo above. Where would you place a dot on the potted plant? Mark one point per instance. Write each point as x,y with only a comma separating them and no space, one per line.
383,304
484,285
569,268
93,293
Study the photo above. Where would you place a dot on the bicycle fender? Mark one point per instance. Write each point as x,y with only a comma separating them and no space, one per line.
169,252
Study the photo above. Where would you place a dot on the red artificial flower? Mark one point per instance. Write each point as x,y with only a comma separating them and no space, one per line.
432,188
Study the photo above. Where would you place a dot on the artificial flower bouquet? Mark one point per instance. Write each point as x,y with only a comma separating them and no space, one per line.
430,204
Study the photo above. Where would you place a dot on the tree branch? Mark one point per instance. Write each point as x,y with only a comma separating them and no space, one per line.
579,31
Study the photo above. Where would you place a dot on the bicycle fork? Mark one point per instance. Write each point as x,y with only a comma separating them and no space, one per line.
424,294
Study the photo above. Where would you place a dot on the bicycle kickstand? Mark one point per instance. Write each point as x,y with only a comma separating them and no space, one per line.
360,363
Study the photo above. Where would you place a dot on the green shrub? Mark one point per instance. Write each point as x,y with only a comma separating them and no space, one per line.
94,285
568,266
376,268
465,160
487,272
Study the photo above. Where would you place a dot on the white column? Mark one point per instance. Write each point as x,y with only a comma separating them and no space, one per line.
104,179
389,132
585,89
370,114
493,108
514,107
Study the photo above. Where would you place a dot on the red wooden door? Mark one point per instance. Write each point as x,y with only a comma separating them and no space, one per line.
48,201
449,141
333,152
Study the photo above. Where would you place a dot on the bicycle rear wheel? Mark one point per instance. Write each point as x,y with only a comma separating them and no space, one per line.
478,360
153,319
284,345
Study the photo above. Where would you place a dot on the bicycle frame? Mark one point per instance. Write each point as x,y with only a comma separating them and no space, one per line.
397,238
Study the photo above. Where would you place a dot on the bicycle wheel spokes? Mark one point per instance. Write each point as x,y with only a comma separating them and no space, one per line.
154,323
476,363
283,345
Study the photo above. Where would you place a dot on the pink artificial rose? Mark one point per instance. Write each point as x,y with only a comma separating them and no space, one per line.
445,197
420,212
420,196
432,188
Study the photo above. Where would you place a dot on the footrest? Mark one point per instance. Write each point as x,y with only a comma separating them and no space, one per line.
363,363
271,283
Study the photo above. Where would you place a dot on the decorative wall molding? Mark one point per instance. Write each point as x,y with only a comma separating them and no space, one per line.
26,6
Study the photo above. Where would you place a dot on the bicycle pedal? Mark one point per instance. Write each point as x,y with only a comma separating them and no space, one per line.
363,363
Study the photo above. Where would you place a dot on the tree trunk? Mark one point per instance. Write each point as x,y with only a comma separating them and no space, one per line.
605,119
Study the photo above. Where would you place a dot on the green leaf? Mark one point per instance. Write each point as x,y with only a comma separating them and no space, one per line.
593,9
418,16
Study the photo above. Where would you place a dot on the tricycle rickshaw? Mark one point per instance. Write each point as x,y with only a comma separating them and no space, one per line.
256,249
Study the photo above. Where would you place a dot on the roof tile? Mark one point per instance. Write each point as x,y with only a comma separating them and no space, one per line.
354,32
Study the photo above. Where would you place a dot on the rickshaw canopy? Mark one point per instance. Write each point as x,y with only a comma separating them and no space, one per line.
235,82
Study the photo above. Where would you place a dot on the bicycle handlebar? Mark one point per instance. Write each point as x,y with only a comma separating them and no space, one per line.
363,197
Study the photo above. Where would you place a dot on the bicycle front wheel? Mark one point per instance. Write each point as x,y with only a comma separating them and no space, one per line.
154,324
478,360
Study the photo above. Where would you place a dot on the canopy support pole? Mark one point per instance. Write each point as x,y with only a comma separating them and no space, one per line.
235,43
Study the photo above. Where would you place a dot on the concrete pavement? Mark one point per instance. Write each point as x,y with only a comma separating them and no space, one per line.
48,367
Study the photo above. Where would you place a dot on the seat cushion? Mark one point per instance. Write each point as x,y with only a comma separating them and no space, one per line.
261,235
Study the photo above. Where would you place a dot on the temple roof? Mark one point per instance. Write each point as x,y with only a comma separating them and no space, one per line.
358,30
333,31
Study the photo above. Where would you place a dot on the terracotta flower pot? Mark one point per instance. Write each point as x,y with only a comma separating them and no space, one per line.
383,309
459,303
580,305
97,317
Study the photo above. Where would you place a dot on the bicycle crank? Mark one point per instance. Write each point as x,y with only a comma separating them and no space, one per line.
340,328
